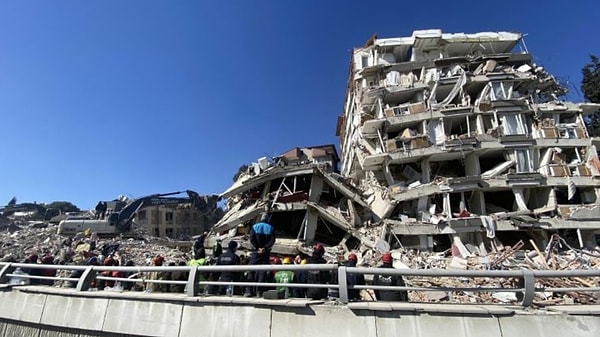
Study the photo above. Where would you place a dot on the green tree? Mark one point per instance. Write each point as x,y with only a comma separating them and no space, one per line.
590,86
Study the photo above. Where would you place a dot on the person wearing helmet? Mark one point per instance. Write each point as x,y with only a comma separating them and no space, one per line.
317,276
262,238
389,280
351,280
299,277
284,276
108,262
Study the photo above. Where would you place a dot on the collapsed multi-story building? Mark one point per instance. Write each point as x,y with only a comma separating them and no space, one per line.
462,134
305,195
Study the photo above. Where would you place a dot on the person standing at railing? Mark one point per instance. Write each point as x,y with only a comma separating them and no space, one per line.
317,276
299,277
351,280
77,273
262,238
127,274
157,275
33,259
199,260
48,259
229,258
389,280
108,262
284,276
179,275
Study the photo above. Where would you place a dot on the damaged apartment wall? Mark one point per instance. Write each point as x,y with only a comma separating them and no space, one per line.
461,133
307,198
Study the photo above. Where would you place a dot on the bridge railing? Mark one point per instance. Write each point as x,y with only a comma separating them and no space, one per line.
524,289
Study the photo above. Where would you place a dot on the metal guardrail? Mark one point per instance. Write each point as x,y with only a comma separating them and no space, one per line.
525,289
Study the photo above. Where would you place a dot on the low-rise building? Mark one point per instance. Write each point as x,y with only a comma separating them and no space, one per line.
176,221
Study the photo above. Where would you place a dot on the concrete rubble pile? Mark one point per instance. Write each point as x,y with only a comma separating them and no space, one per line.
558,255
20,239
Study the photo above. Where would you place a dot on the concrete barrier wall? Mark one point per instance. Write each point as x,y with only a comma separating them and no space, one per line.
61,313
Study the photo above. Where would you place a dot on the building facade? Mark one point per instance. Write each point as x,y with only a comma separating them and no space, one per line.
175,221
463,134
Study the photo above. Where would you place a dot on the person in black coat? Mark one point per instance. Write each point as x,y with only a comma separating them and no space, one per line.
262,238
229,258
317,276
389,280
353,279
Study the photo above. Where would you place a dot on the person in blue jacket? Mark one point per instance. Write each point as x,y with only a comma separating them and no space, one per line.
262,239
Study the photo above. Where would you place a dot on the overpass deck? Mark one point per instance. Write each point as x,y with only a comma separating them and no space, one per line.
50,311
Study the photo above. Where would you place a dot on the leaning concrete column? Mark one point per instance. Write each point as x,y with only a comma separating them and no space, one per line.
310,224
311,216
425,171
472,167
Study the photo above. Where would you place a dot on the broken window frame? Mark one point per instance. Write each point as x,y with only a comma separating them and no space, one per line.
448,125
363,59
500,90
494,89
169,216
520,166
512,124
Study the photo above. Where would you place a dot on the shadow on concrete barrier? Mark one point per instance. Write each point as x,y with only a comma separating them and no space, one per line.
51,311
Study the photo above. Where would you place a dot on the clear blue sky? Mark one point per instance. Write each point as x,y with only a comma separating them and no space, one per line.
101,98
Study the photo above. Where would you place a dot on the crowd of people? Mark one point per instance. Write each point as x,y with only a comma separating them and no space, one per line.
261,238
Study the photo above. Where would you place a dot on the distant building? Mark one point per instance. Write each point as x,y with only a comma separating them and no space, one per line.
322,154
175,221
